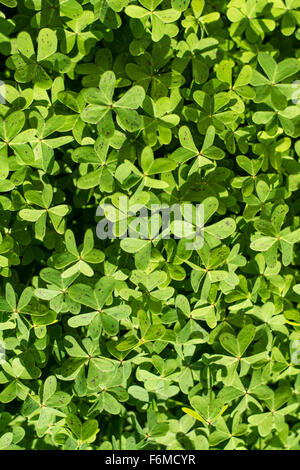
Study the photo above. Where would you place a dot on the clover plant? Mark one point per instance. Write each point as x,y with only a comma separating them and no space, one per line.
127,342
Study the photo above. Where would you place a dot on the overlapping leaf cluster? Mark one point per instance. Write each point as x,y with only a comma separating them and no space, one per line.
141,343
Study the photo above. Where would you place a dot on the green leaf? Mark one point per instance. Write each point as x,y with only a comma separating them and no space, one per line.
222,229
180,5
132,99
286,68
47,44
129,119
89,429
262,244
268,64
161,165
133,245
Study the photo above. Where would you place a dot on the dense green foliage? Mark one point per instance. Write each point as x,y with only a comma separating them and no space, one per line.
140,343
